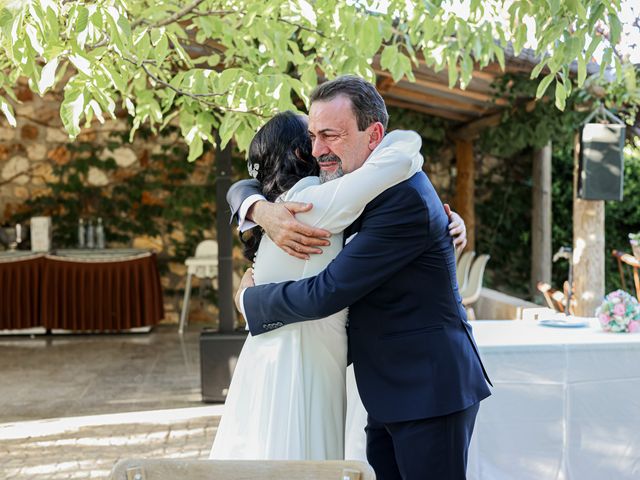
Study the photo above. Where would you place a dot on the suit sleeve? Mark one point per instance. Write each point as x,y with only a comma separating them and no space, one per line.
394,232
239,192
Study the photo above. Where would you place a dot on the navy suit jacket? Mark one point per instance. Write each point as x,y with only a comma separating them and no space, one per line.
412,348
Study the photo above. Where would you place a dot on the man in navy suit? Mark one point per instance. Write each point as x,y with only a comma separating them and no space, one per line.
416,363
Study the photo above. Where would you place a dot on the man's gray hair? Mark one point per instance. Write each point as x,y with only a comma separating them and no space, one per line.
368,106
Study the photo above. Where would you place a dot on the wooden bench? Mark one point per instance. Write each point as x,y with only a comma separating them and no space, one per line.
166,469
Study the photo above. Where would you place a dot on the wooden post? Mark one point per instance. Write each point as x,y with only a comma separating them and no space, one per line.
588,247
227,312
541,219
464,201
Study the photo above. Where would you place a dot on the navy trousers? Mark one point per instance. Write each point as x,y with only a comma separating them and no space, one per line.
427,449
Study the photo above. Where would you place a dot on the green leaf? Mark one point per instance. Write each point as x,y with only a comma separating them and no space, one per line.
33,39
582,70
82,64
83,19
615,28
71,109
467,71
114,77
48,76
162,49
5,18
561,95
521,38
96,19
142,48
618,67
595,41
452,69
370,36
544,84
155,34
227,128
195,149
537,69
499,52
606,60
595,16
389,57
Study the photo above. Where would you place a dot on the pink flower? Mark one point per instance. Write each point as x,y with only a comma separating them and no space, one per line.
604,319
619,310
634,326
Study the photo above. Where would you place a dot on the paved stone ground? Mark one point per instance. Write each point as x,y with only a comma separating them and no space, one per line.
71,406
88,447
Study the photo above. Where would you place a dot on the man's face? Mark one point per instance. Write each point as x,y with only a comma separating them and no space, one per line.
338,145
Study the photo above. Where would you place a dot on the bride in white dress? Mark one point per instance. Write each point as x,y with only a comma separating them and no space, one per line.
287,397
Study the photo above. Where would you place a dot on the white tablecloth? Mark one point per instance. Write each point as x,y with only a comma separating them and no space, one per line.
565,404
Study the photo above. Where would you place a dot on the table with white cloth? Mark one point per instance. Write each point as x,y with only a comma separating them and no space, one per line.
565,404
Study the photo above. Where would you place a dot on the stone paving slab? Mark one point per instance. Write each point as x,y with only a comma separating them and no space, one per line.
88,447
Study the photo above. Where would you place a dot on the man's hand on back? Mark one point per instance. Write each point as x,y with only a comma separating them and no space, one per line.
457,228
279,222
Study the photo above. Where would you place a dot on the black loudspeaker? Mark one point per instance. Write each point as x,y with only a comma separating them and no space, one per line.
601,162
219,354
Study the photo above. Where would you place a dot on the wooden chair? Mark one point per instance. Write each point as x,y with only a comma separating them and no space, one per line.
462,269
632,262
165,469
555,298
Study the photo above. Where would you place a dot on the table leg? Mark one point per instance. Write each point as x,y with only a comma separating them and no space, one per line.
185,304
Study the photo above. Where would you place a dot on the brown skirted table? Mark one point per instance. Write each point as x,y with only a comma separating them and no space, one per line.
20,282
92,291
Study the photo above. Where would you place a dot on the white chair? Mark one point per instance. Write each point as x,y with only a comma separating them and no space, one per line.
203,265
462,269
471,292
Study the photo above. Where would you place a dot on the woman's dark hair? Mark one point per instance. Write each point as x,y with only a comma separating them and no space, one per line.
280,153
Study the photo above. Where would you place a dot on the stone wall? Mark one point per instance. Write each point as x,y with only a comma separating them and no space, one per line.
30,153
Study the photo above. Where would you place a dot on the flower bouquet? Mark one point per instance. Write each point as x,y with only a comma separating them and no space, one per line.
619,312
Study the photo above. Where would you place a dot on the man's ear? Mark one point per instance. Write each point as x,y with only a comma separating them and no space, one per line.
376,133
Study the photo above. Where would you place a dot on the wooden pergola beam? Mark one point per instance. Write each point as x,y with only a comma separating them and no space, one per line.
436,100
473,128
434,112
439,87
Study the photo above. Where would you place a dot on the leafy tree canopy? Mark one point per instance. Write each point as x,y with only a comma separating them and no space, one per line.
225,65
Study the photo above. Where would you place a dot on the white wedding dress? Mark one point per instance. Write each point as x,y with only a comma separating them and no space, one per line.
287,397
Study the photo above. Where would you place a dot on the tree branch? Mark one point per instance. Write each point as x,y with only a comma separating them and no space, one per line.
197,96
176,16
200,97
